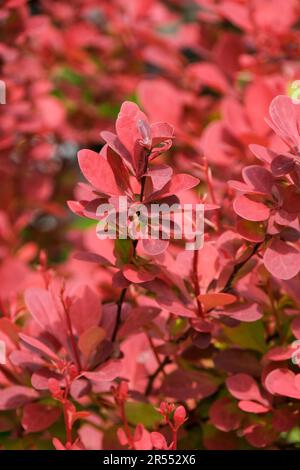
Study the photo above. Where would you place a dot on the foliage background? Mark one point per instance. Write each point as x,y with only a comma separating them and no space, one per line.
210,69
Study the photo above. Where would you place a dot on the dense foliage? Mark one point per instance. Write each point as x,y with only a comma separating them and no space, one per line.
142,344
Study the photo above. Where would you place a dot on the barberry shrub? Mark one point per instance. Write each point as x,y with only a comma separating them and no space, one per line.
129,342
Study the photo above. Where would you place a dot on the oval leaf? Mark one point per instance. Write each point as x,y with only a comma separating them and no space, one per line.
282,260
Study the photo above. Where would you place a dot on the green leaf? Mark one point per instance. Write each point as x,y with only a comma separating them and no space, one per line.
133,97
177,326
142,413
83,224
123,251
108,110
248,335
57,93
90,339
293,436
69,75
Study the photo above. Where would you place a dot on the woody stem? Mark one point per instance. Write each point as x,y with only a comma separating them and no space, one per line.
119,312
124,291
196,282
239,266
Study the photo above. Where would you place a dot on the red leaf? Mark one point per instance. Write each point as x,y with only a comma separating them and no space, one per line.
45,311
90,339
9,330
142,440
284,115
279,353
259,435
137,319
235,117
282,382
137,275
217,299
57,444
158,441
79,388
37,417
156,96
107,372
116,145
291,203
244,387
161,131
258,178
240,186
40,379
213,439
127,125
176,307
76,207
85,309
37,345
182,385
98,172
160,175
237,14
282,165
250,210
179,416
263,153
122,436
225,415
40,305
284,419
92,258
209,74
236,361
155,247
16,396
253,407
178,183
119,169
282,260
297,381
26,359
252,231
244,312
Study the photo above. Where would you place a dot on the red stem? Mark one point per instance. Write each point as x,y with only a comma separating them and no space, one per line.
71,335
155,352
174,446
126,426
135,242
211,191
196,283
67,423
66,418
174,432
